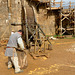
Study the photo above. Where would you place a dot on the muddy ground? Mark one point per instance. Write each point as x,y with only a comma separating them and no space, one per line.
61,61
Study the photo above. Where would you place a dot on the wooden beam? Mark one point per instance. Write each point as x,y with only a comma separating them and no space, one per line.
13,24
64,18
65,15
53,8
43,1
70,6
70,29
57,2
61,3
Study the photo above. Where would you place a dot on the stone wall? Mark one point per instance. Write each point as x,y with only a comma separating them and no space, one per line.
4,19
16,14
47,22
46,19
7,17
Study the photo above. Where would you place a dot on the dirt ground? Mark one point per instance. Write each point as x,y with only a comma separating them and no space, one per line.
61,60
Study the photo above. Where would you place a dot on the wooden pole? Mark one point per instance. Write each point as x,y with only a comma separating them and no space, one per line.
35,41
74,20
44,46
61,17
50,4
70,6
61,22
9,16
61,3
24,5
54,3
35,46
9,3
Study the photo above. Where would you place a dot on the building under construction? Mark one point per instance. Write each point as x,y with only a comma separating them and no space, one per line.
39,19
53,17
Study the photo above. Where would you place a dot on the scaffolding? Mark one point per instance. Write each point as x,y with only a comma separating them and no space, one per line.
66,12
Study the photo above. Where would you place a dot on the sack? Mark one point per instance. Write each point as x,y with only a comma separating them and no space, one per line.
22,59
